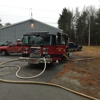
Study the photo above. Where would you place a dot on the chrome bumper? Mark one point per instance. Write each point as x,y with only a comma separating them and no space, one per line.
34,60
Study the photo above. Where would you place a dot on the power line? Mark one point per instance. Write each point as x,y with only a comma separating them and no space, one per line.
14,16
14,7
44,22
28,8
28,16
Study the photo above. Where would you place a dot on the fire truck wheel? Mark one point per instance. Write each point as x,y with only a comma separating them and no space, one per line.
3,52
53,64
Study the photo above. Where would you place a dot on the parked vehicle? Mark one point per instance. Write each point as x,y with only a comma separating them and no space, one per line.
74,47
14,47
37,45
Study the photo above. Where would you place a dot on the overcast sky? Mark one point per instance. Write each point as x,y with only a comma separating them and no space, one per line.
46,11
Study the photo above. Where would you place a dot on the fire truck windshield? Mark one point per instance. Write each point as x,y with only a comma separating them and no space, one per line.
39,40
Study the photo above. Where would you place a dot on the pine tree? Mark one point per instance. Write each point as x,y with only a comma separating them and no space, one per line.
65,22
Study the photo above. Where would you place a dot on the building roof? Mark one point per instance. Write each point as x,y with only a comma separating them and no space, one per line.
30,20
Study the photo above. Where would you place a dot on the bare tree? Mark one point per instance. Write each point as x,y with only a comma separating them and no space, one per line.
1,23
7,24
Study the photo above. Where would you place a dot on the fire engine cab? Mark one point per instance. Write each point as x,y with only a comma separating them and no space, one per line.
37,45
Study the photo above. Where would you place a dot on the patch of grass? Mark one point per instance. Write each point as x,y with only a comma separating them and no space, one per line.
92,47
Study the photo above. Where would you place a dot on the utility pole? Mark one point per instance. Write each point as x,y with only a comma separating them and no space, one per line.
89,32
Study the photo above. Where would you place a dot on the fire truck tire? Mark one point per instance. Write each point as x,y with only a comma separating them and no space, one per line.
53,64
4,52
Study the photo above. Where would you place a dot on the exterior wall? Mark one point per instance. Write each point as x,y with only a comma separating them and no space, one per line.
14,32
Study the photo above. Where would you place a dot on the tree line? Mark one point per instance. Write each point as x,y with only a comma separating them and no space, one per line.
6,24
82,27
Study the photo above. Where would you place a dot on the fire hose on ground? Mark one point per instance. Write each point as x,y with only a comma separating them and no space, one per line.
79,59
41,83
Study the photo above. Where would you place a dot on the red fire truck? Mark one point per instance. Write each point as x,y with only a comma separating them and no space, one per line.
37,45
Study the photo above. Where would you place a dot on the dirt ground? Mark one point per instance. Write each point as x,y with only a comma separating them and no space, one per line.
82,76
